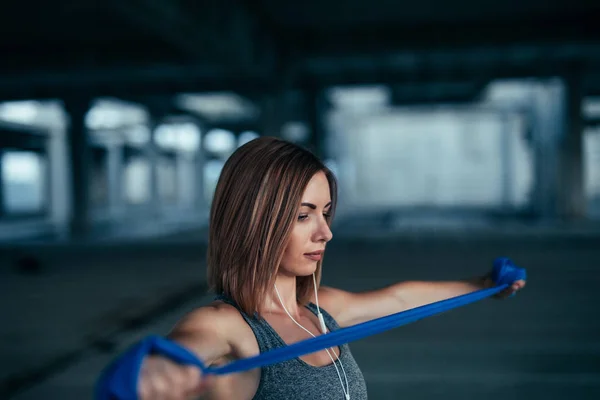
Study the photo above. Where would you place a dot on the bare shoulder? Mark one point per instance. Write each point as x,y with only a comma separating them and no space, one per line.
333,300
214,332
219,334
217,317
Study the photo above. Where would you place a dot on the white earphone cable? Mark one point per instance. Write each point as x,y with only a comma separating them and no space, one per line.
346,389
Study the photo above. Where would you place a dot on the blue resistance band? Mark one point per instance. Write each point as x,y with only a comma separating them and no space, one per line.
119,380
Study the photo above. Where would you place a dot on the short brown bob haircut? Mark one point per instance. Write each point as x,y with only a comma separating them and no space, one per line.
254,209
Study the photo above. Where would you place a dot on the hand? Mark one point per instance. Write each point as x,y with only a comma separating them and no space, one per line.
163,379
509,291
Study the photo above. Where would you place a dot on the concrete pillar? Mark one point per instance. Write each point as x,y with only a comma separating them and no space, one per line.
557,140
2,210
79,155
272,114
572,204
185,180
151,152
115,180
507,156
276,102
60,177
199,162
547,105
158,110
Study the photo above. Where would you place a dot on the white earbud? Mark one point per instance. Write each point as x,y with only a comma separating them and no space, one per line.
322,322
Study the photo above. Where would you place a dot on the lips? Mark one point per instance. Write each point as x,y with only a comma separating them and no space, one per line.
315,255
318,252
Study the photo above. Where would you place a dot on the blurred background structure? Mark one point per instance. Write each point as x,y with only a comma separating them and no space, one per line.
459,131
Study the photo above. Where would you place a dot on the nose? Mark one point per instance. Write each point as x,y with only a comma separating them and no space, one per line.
323,233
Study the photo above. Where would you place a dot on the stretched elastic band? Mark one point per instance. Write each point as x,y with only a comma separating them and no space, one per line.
119,381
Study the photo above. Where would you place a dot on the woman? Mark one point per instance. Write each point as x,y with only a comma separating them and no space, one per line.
269,227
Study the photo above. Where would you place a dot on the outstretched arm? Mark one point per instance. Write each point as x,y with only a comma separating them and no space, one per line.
415,294
353,308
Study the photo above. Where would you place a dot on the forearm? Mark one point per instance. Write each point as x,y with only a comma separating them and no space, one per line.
418,293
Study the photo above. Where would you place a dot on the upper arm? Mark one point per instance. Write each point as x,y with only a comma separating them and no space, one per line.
353,308
205,332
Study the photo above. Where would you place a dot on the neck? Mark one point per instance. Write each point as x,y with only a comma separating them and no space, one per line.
286,286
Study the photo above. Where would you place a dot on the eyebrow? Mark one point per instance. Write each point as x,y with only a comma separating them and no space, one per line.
313,206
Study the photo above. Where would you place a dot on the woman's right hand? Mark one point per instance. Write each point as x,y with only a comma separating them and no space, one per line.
163,379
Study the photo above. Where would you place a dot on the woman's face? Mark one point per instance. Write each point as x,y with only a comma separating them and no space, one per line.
311,230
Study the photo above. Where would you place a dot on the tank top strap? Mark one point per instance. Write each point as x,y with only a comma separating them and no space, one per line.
266,337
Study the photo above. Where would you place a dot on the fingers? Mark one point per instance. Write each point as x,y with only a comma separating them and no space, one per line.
206,383
511,290
162,379
518,285
194,383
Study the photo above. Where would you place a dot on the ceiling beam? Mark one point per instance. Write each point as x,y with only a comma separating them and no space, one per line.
125,81
220,33
397,67
372,38
465,64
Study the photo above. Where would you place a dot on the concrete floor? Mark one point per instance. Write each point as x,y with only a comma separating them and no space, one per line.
62,322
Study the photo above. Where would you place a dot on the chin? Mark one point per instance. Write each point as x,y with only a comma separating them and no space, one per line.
304,271
300,268
308,271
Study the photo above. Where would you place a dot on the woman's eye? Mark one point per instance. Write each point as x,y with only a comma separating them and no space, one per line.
327,215
302,217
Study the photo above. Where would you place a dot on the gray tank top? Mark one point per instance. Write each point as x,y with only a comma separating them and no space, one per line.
295,379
